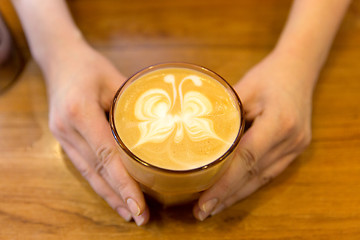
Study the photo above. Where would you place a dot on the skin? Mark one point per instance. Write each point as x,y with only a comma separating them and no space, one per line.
276,93
277,97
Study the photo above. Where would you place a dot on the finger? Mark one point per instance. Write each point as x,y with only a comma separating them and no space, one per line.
97,182
256,176
142,218
96,130
92,167
281,150
227,185
255,182
259,140
72,138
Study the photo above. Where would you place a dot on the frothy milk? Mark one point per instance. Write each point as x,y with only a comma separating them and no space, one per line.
177,118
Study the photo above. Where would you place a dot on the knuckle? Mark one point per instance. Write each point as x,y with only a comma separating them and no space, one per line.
292,127
86,172
225,187
303,139
264,179
249,161
121,186
288,123
56,125
99,168
69,111
72,110
253,171
105,155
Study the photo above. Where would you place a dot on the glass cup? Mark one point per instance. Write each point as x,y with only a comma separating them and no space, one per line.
174,187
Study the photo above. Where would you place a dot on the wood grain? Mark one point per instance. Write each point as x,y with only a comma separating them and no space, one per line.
42,196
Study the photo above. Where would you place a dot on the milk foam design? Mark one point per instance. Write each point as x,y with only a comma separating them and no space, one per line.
154,108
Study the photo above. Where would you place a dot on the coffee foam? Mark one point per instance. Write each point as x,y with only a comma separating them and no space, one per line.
177,118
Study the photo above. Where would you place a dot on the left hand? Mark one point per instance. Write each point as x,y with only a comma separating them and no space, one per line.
81,84
277,98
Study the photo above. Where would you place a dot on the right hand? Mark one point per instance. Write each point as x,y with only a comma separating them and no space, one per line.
277,97
81,85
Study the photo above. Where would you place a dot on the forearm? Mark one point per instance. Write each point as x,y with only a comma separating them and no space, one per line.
49,29
310,30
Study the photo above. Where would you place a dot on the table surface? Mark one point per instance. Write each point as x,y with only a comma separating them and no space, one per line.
42,196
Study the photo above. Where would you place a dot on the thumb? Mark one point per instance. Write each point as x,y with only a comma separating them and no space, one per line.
113,79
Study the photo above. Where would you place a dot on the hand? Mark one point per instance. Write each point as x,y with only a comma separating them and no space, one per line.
81,85
277,98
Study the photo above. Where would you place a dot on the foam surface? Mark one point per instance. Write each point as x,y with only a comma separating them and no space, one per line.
177,118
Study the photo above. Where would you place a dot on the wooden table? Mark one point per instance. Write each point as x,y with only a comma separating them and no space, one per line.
42,196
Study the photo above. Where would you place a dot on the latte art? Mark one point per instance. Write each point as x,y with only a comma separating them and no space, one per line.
177,118
154,110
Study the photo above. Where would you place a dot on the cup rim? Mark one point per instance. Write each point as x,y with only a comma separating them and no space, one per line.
189,66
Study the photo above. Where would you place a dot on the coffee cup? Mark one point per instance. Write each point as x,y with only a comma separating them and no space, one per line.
177,126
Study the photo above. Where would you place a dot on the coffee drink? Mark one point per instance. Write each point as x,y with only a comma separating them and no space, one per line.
177,126
177,118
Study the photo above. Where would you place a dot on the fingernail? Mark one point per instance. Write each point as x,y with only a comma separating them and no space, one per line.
208,206
139,220
124,213
202,215
133,206
218,209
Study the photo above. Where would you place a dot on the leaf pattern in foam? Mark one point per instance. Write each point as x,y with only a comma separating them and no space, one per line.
196,108
157,123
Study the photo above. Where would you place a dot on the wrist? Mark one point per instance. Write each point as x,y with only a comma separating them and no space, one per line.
57,48
49,29
310,29
296,66
305,56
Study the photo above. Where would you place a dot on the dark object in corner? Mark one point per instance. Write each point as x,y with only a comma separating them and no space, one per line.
11,60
